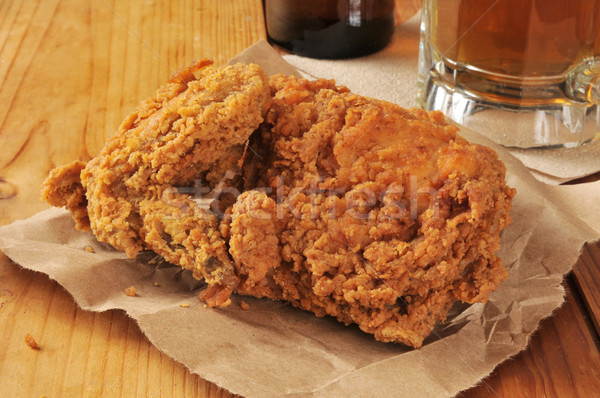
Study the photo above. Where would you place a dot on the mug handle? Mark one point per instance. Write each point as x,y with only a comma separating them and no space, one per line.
583,81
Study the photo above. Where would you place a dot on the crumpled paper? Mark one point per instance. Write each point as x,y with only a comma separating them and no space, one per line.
274,350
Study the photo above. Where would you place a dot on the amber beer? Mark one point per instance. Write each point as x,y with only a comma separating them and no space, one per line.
523,39
515,55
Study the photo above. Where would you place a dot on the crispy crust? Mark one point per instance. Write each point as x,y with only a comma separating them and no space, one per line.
192,126
388,216
351,207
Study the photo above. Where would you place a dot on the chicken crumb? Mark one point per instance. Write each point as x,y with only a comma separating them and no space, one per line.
244,305
130,291
89,249
30,341
156,284
184,305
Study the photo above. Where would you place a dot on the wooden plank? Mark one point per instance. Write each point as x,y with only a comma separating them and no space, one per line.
587,278
71,71
562,359
82,353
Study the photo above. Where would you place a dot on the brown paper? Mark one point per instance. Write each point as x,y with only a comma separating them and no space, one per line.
274,350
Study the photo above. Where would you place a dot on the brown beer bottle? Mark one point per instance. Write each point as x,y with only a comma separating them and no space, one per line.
330,28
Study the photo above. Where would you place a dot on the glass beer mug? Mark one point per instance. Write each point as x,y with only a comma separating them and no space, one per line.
526,73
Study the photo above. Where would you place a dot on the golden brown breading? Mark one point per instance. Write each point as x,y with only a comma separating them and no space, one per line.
388,217
352,207
184,135
254,245
63,188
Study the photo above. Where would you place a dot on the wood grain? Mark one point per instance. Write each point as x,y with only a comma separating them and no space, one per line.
587,279
82,353
562,359
70,71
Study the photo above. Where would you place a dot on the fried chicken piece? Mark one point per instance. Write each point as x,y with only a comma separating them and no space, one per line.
353,207
63,188
192,131
381,216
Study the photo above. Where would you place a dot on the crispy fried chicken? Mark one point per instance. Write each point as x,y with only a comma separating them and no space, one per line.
373,214
350,206
191,131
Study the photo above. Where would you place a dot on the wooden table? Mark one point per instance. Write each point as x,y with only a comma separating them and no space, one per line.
70,71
